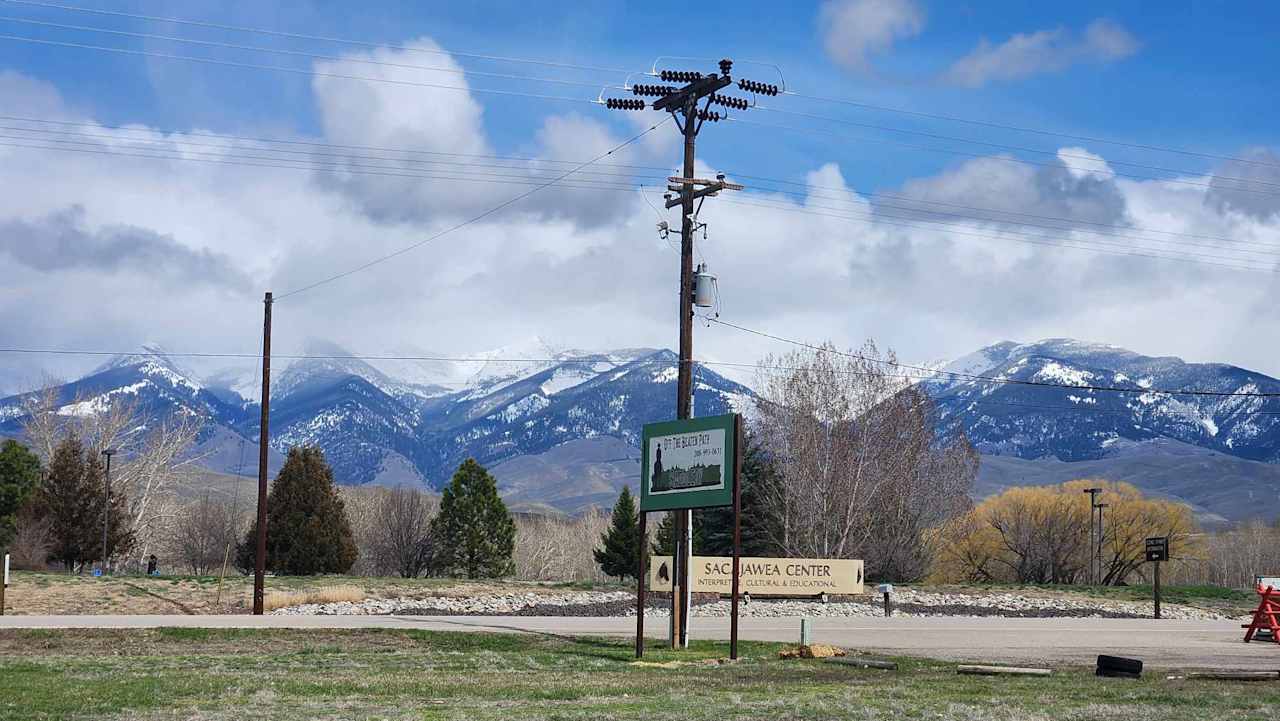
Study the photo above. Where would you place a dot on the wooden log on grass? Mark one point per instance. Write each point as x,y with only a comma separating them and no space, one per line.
864,663
1236,675
970,670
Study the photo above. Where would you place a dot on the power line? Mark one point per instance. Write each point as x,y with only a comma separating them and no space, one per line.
1048,241
476,218
316,38
309,143
242,160
492,179
283,69
533,177
1003,146
997,158
342,162
888,218
809,188
1037,131
874,198
299,53
987,379
624,71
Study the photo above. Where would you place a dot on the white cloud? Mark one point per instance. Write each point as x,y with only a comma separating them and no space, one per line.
1028,54
585,269
1249,184
854,30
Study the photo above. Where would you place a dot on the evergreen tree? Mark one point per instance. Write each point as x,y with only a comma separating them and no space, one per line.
66,501
619,554
664,535
73,498
759,474
307,527
473,530
19,478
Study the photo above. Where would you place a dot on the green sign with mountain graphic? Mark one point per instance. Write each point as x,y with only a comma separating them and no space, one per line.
688,464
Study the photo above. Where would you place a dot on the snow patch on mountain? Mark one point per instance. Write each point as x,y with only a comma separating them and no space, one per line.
566,378
1054,372
523,407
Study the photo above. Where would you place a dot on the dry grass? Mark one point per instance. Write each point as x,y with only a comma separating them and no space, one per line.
324,594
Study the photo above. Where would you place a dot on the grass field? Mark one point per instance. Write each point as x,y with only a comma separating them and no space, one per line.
311,675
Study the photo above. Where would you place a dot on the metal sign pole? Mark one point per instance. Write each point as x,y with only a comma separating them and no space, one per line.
1157,590
641,570
737,536
4,584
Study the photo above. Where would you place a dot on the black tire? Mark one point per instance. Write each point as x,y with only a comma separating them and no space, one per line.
1118,664
1108,673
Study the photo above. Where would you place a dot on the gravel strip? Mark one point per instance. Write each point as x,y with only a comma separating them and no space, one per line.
622,603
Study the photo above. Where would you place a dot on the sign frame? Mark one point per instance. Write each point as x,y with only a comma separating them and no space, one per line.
711,575
674,500
1157,548
732,423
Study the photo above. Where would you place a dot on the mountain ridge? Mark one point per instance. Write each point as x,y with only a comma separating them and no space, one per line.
554,424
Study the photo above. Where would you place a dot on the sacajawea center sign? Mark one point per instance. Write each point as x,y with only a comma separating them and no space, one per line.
688,464
764,576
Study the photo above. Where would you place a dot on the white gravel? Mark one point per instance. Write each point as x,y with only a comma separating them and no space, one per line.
615,603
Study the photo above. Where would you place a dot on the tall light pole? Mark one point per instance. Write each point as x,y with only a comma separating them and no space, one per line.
106,506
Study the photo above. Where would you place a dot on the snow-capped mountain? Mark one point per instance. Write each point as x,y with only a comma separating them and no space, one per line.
561,427
376,428
149,378
407,421
1032,421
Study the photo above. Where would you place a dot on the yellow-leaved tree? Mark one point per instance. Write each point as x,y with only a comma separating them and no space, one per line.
1040,534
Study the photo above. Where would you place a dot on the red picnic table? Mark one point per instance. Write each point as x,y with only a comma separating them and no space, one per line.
1267,617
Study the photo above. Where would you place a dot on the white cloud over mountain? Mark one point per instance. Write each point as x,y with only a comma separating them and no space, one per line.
179,251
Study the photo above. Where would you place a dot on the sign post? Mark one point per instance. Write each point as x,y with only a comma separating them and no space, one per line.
1157,551
5,585
687,464
737,537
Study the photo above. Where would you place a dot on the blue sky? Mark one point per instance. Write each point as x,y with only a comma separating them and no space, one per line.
1202,77
1193,77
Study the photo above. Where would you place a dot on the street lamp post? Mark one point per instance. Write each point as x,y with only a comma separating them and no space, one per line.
106,507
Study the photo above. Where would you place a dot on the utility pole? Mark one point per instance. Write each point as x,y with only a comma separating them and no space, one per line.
682,102
1102,534
1093,535
106,506
260,558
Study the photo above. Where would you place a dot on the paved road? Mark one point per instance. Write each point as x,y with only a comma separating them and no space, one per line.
1161,644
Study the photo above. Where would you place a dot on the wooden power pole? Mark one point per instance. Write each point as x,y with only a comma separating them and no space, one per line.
260,557
682,101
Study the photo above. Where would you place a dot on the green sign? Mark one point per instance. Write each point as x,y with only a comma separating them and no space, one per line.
687,464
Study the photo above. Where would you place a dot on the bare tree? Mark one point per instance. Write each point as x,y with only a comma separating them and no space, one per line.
32,540
402,543
551,548
201,532
862,472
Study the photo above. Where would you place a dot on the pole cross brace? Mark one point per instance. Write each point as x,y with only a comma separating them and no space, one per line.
710,188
